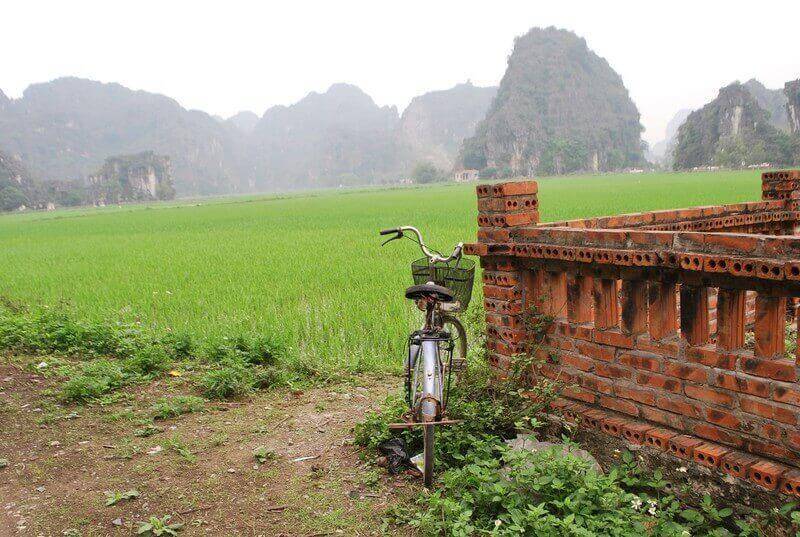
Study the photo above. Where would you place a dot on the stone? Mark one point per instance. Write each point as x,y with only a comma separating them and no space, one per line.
527,442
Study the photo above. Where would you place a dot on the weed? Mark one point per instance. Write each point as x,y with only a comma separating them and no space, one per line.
230,379
91,380
148,430
172,407
159,526
113,498
263,455
176,444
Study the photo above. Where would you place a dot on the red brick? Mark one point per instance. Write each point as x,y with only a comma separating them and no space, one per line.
786,395
710,357
578,362
709,454
501,293
769,449
645,397
766,410
596,384
613,426
640,361
659,381
683,446
687,372
664,418
612,403
515,188
715,434
611,371
575,392
594,419
737,464
598,352
614,338
658,438
701,393
790,482
680,406
723,418
634,432
766,474
738,383
777,369
662,348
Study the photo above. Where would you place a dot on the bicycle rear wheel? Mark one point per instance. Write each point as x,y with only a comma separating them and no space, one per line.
454,326
428,454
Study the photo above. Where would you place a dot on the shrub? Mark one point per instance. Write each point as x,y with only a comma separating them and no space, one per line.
92,380
147,361
172,407
231,379
529,493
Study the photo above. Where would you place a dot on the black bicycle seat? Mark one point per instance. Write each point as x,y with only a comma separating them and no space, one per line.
430,290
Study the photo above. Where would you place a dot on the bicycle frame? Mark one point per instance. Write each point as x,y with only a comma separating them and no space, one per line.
425,367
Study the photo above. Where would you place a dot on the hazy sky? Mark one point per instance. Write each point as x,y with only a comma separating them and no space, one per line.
226,56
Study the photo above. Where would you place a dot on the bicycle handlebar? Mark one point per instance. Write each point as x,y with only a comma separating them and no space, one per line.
432,256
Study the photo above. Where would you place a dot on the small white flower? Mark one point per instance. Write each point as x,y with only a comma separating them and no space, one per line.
41,365
497,523
682,469
636,502
652,507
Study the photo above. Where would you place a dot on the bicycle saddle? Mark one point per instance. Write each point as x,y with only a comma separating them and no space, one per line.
430,290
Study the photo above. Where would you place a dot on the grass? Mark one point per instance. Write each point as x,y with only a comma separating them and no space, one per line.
307,269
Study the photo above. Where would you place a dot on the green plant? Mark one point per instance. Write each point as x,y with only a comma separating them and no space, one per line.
231,379
91,380
172,407
113,498
263,455
176,444
159,526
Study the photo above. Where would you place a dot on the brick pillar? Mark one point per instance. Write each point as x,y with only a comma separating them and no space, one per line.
662,310
507,287
730,319
694,314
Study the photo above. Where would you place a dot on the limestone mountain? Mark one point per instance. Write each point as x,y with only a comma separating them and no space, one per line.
17,188
560,108
773,101
662,150
732,130
141,177
245,121
792,91
66,128
325,139
434,125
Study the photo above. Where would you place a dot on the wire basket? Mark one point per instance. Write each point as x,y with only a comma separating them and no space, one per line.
457,276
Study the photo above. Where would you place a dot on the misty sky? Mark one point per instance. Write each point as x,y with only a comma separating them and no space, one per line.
223,57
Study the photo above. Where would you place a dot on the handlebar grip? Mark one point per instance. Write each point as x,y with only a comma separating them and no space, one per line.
390,231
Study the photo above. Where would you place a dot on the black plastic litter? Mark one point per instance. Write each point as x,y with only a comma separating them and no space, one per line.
397,459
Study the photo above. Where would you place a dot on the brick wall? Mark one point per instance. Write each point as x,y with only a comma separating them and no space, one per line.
652,315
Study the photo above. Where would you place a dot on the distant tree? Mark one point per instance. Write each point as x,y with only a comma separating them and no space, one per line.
425,172
12,198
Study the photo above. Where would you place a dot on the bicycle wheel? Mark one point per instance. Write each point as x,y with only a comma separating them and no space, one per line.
454,326
428,453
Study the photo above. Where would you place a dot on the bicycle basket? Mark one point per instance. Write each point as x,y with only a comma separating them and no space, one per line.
457,276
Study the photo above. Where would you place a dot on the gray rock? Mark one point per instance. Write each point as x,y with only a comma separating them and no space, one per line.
531,444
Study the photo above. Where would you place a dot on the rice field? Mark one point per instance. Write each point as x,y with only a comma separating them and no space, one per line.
308,266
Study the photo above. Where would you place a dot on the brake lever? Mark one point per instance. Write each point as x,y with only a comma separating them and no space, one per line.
398,236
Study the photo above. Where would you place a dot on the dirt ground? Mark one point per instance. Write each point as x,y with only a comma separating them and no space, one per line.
198,468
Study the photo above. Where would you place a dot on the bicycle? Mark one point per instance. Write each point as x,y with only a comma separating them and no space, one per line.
442,287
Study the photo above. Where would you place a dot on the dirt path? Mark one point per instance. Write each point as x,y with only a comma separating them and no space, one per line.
198,468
